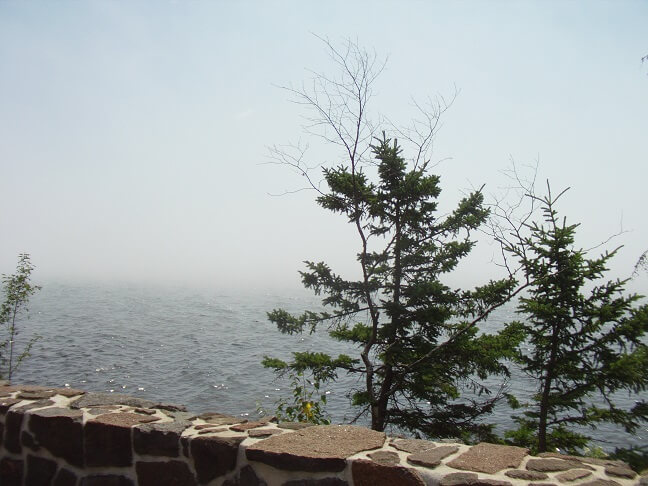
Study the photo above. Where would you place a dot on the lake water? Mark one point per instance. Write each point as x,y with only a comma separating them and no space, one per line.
199,348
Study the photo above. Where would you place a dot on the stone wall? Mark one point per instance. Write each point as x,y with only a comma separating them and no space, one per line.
66,437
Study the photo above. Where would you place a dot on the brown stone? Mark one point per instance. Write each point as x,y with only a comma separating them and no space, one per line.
108,439
11,472
412,445
167,473
5,403
491,482
294,425
60,431
386,458
145,411
106,480
205,426
585,460
247,426
529,475
432,457
369,473
458,479
316,482
124,419
573,475
64,477
213,456
543,484
489,458
620,471
551,464
159,439
214,418
264,432
40,471
318,448
100,399
169,407
600,482
68,392
35,395
29,441
212,430
13,423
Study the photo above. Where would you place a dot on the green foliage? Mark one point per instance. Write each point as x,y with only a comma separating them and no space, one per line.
17,289
421,360
308,402
636,457
584,339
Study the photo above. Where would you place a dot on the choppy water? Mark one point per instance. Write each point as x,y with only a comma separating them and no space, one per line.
194,347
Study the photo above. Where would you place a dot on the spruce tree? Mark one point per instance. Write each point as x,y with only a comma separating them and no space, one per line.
418,342
584,338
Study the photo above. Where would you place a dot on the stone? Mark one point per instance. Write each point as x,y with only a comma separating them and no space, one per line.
5,403
491,482
529,475
159,439
620,471
247,477
543,484
100,399
60,431
11,472
247,426
644,479
584,460
167,473
170,407
108,439
458,479
315,449
106,480
35,395
294,425
600,482
386,458
145,411
412,445
65,477
370,473
101,409
214,418
551,465
264,432
205,426
34,405
212,430
573,475
489,458
40,471
29,441
213,456
69,392
316,482
12,425
432,457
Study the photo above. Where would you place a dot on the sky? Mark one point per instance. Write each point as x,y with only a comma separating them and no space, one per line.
134,135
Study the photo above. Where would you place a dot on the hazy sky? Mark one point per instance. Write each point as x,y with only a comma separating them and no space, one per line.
133,134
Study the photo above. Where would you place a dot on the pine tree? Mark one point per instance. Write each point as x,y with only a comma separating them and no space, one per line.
418,341
584,338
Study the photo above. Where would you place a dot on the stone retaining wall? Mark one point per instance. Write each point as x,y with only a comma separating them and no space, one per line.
66,437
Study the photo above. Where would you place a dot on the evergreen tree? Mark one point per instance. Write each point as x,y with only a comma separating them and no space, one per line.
584,339
418,341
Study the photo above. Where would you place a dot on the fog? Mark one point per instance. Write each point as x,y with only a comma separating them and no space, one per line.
134,135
